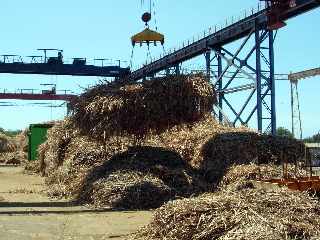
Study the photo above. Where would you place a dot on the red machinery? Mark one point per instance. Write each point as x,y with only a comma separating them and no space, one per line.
309,182
275,10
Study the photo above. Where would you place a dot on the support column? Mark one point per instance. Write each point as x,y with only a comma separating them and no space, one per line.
208,64
220,84
167,72
292,110
177,69
272,85
258,78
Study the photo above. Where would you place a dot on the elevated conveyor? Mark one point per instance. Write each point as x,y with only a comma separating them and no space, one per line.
222,37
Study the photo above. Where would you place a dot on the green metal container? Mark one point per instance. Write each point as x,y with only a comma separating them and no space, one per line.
37,136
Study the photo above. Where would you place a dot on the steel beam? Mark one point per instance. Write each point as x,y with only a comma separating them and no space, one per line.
208,63
258,77
47,97
63,69
272,87
177,69
219,59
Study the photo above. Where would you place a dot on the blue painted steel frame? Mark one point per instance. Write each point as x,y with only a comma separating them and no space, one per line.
263,80
263,87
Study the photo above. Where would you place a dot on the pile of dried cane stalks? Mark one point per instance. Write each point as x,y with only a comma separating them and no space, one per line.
117,174
251,213
138,146
154,105
123,172
240,209
10,152
7,144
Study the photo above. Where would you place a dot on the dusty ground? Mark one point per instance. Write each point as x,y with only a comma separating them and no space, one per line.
26,213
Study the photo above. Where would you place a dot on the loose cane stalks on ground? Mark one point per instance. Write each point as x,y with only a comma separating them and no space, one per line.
249,214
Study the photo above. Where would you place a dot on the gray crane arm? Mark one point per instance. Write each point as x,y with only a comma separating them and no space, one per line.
304,74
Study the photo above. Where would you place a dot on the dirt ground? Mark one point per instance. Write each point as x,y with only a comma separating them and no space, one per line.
27,213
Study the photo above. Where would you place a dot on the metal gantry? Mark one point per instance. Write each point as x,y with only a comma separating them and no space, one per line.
47,65
257,65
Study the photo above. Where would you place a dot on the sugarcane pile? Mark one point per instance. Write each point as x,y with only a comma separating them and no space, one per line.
240,209
140,178
116,174
9,153
121,174
22,141
236,148
7,144
154,105
138,146
51,153
249,214
13,158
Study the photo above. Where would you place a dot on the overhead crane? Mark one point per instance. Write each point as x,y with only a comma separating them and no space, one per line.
260,26
55,66
37,96
32,94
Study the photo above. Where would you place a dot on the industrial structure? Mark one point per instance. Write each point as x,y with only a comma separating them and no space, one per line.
294,78
254,58
257,64
55,66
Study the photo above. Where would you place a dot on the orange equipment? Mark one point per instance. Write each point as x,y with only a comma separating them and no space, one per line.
302,184
307,183
147,36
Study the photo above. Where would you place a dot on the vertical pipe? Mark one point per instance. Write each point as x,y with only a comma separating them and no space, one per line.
220,85
258,75
45,56
272,85
208,64
298,105
167,71
292,110
177,69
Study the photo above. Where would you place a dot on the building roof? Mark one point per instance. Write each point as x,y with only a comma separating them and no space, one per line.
313,145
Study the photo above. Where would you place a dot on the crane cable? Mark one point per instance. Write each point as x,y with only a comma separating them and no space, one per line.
156,25
152,9
154,15
131,58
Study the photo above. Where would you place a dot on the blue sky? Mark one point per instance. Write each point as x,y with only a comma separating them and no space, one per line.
102,28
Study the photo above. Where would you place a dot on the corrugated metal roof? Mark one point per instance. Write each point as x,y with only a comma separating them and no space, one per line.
313,145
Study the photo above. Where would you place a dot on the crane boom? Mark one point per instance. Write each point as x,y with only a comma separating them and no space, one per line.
304,74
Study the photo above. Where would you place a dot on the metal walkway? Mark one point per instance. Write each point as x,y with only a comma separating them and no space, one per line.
63,69
35,96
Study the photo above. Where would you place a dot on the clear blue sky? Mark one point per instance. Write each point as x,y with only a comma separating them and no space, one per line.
101,28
